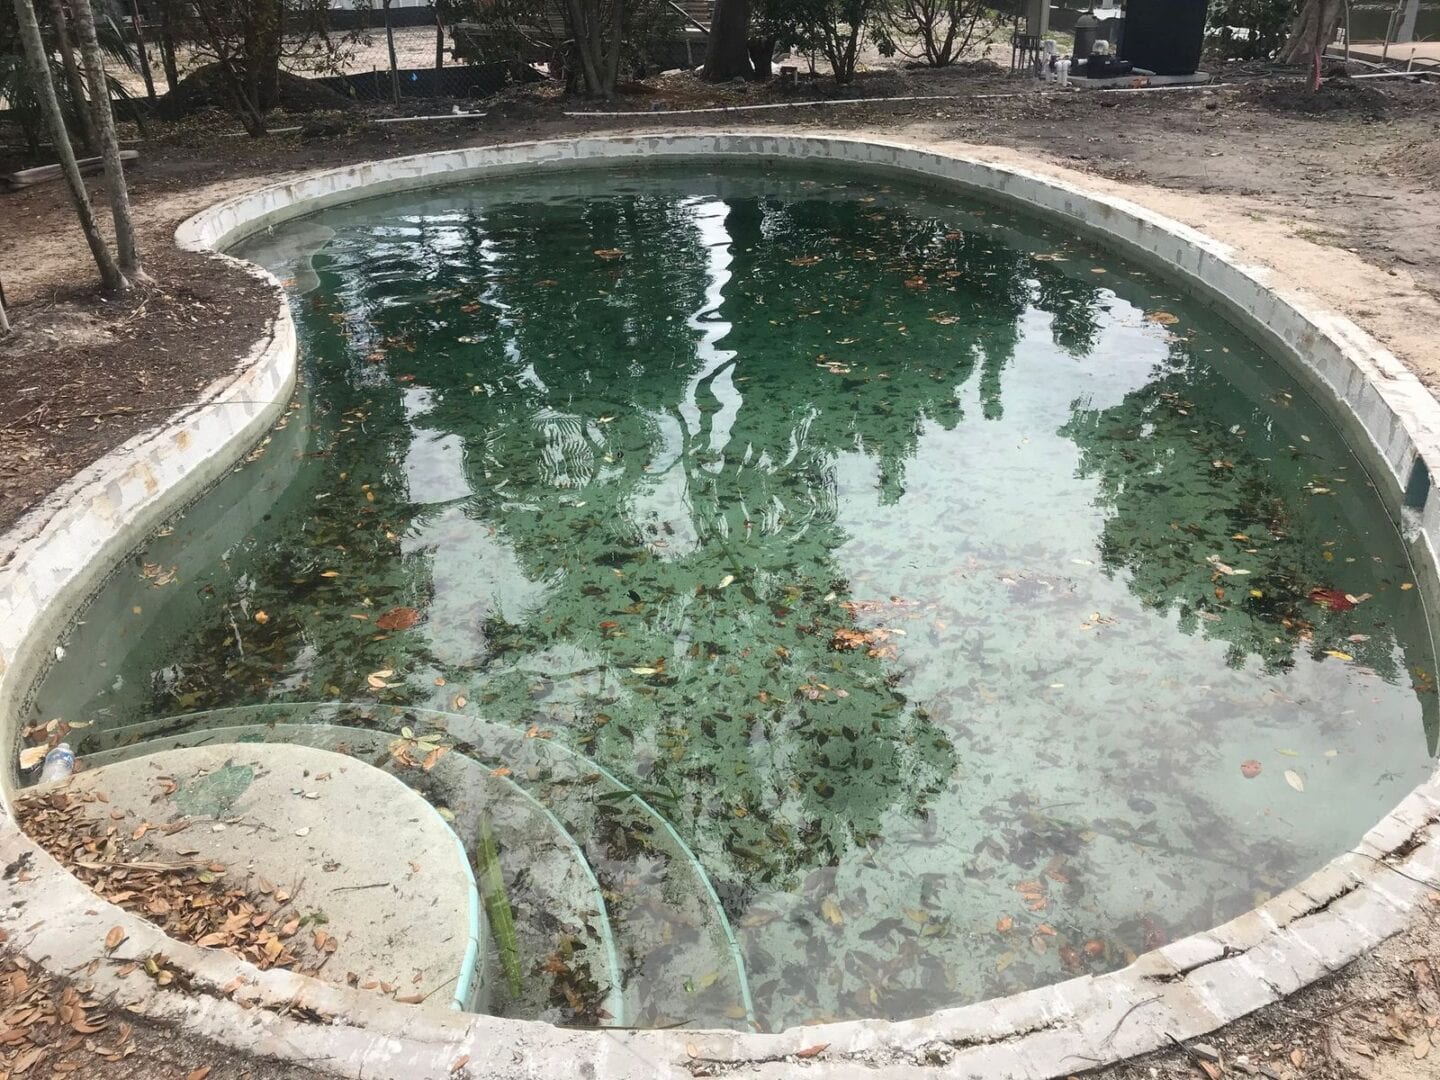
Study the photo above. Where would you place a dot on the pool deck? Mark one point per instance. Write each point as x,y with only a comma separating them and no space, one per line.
1425,53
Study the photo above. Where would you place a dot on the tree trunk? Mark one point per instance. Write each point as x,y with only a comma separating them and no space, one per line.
264,42
245,106
167,47
762,55
585,44
390,46
142,53
1311,31
617,35
728,55
72,76
36,56
109,145
439,38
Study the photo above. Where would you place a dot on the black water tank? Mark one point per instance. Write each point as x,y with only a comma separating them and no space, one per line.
1164,36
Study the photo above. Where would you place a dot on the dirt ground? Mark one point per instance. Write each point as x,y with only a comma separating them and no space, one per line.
1339,194
1374,1021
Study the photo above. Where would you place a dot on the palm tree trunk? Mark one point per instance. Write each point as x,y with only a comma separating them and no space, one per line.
167,47
142,53
109,145
35,55
72,76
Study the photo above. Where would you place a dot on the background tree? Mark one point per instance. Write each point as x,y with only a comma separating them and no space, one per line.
585,42
837,28
728,54
943,30
390,49
109,144
44,87
84,121
1311,31
4,319
1261,26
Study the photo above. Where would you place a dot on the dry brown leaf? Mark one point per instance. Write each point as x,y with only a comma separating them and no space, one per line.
114,938
812,1051
1297,1058
459,1063
200,1073
398,618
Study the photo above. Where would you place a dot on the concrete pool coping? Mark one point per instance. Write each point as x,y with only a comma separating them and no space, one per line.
61,552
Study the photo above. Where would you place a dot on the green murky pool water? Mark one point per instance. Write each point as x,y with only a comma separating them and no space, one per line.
941,579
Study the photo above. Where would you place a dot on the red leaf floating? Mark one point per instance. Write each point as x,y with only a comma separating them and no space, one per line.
1250,769
398,618
1333,599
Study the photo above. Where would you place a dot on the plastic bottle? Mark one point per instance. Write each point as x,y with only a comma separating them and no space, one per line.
59,763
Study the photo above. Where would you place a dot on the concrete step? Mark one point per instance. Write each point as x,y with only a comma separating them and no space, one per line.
675,958
360,854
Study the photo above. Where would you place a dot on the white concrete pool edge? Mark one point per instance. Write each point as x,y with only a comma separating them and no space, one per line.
1185,989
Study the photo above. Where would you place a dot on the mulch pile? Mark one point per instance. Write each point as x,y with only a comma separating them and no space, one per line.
83,373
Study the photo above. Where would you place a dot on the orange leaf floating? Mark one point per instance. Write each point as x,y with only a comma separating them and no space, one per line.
398,618
609,253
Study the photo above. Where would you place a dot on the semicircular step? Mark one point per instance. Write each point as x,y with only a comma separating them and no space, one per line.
678,958
556,903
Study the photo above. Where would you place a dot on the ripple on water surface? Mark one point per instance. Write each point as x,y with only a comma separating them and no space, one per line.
977,610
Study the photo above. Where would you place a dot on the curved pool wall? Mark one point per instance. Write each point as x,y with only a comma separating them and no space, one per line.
60,553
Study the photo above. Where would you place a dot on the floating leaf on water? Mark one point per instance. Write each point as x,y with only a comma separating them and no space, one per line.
1294,779
1332,753
1005,925
398,618
644,671
1004,960
261,618
832,912
609,253
1334,599
1163,318
376,679
1338,655
1250,769
726,581
1286,751
803,260
330,573
1407,586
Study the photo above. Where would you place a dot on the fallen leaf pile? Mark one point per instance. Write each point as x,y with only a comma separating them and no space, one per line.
48,1028
190,901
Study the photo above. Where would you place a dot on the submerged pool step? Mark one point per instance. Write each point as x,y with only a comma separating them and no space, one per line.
557,904
670,955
